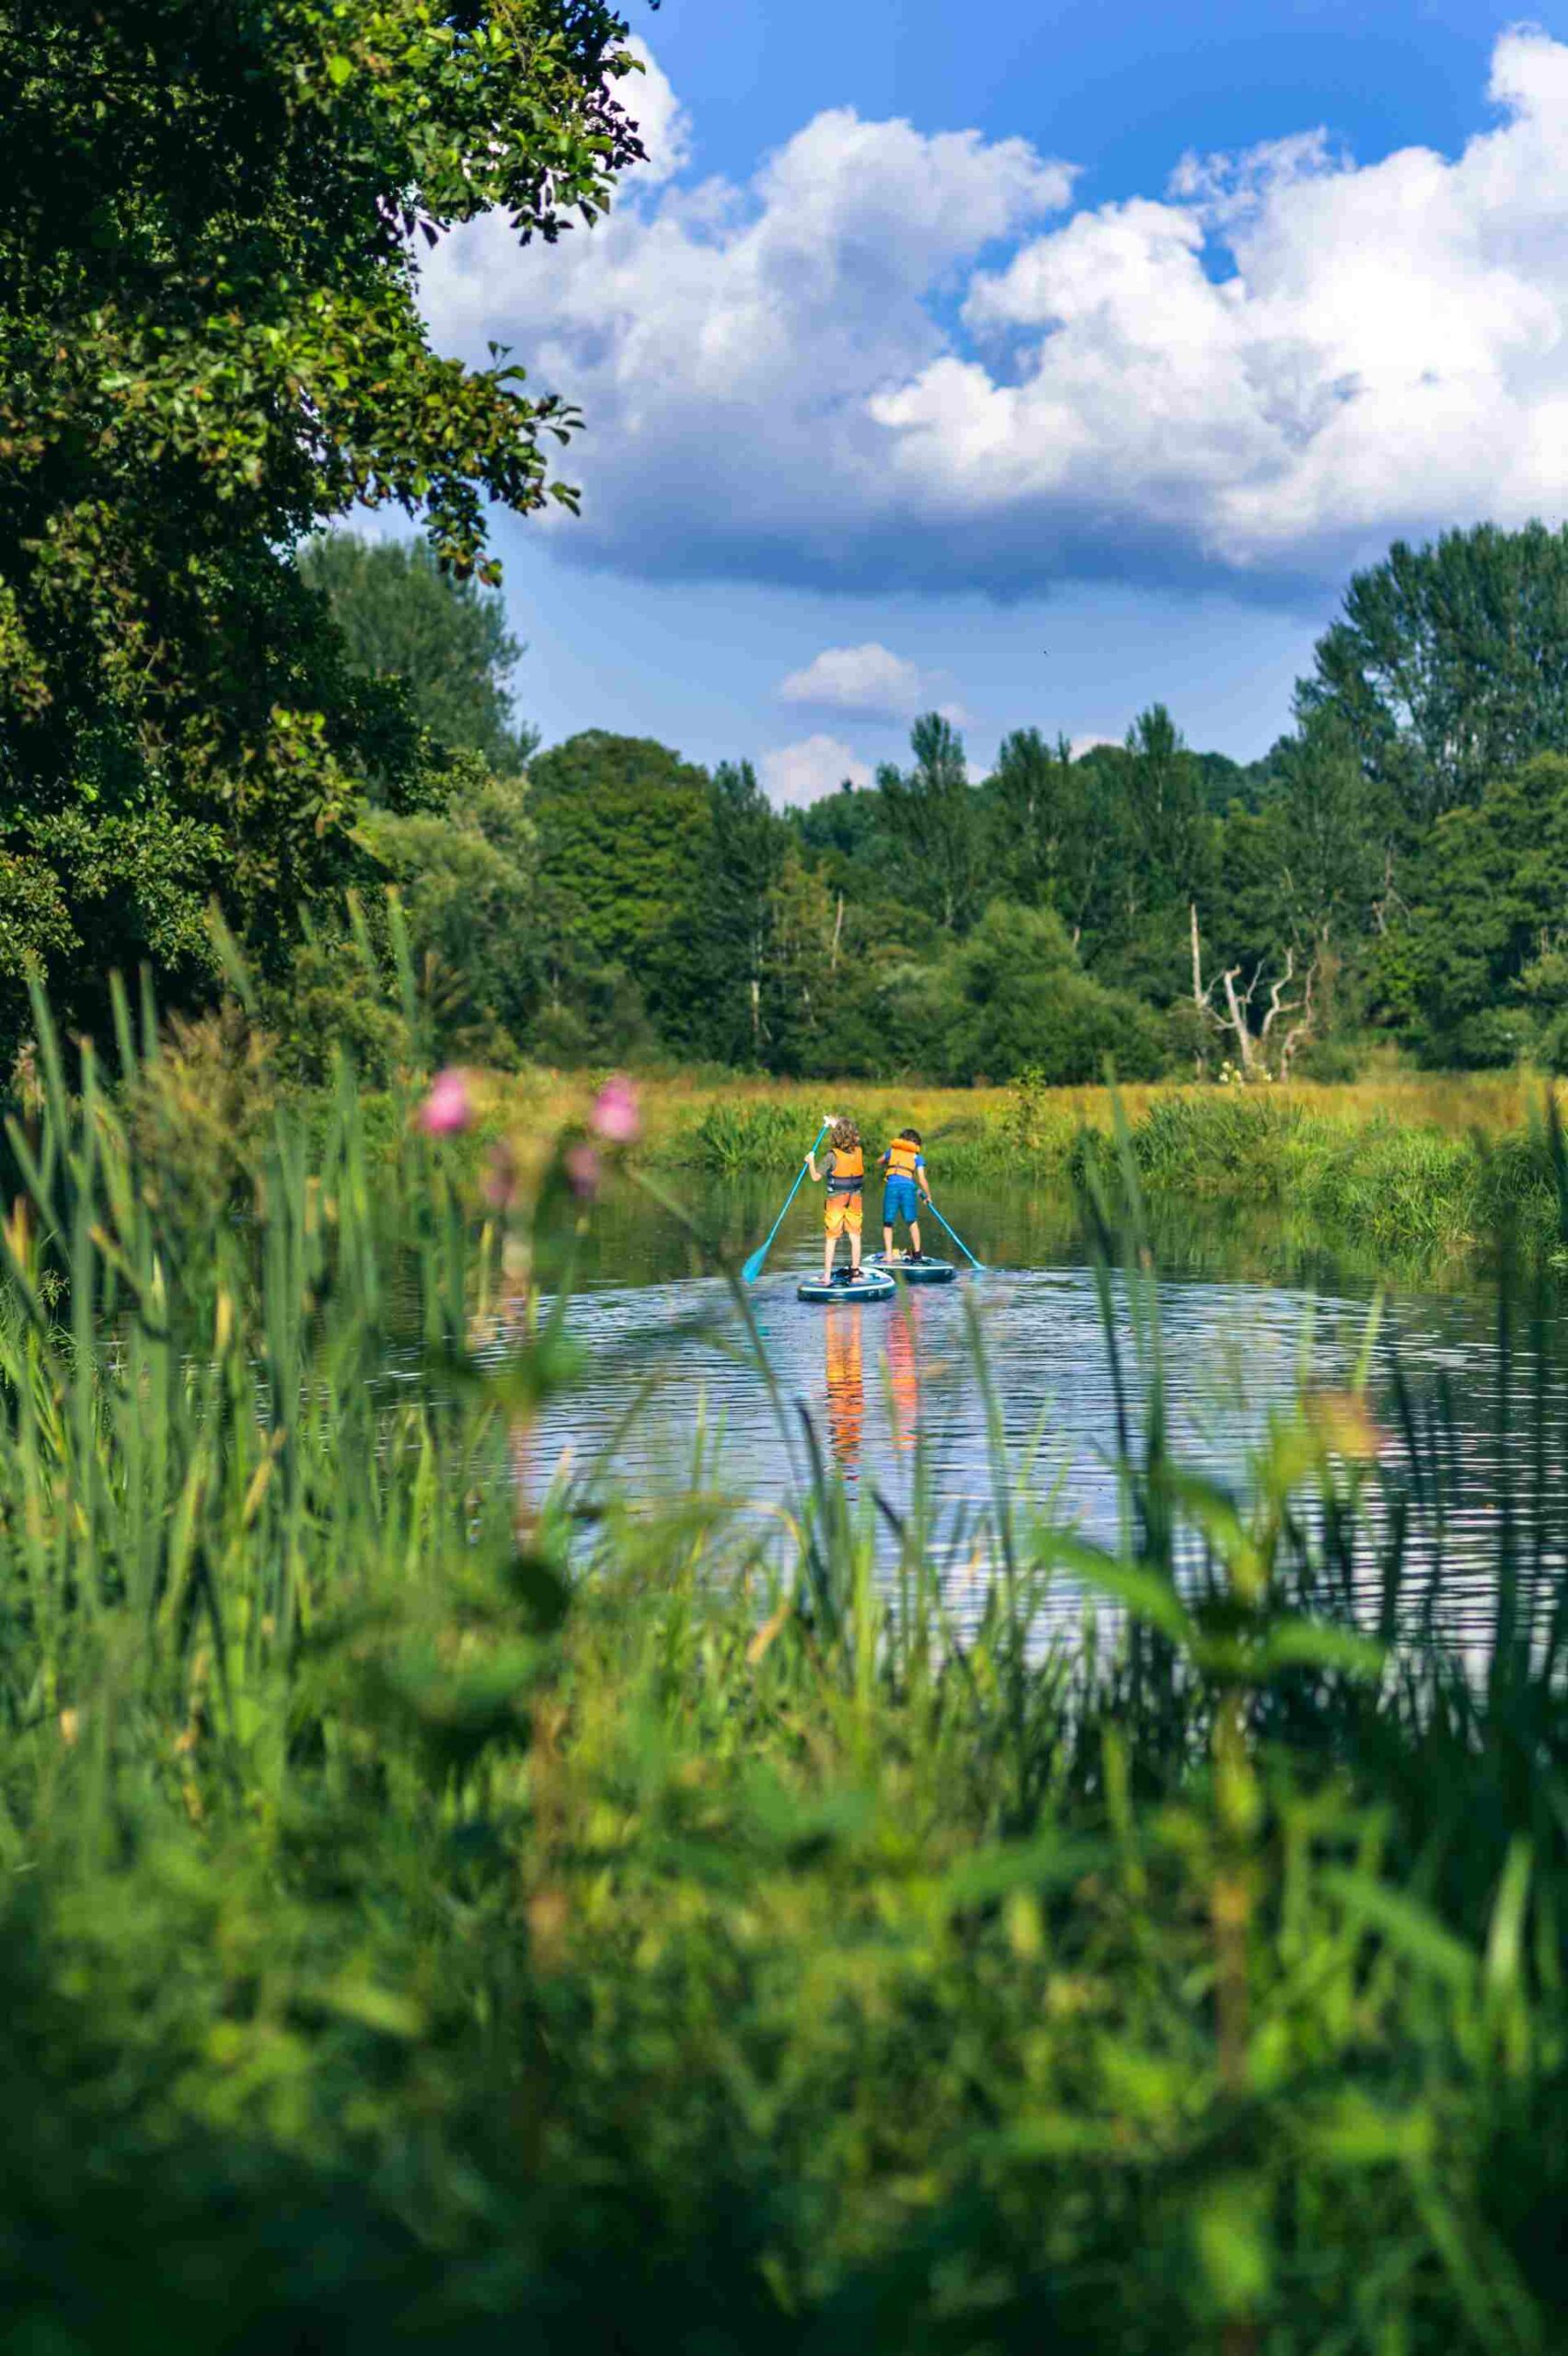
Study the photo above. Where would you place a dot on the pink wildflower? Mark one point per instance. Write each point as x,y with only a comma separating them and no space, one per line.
449,1106
615,1116
581,1166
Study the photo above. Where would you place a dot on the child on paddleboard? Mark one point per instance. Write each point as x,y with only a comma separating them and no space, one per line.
905,1190
844,1169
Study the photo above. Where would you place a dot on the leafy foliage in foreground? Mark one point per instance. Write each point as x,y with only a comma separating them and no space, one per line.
439,1904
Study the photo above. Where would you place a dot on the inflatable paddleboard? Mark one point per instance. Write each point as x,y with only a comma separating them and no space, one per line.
923,1271
872,1285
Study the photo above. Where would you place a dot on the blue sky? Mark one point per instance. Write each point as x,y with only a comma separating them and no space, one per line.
1033,376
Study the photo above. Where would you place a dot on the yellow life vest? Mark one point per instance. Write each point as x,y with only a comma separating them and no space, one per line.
902,1157
848,1171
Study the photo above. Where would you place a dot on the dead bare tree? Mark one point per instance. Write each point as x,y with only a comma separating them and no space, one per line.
1254,1009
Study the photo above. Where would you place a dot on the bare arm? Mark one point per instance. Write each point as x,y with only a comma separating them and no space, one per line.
818,1176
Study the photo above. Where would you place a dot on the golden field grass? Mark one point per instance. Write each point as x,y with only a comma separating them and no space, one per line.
1455,1104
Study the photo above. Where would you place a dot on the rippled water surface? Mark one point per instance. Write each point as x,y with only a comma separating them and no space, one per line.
679,1390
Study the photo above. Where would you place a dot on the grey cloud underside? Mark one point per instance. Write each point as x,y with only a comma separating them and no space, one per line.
1021,557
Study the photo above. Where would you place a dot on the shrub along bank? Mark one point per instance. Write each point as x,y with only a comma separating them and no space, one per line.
1407,1171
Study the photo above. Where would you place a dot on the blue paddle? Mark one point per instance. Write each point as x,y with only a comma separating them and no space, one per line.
753,1268
957,1239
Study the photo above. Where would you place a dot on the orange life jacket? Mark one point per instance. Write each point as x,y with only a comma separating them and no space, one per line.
848,1171
902,1157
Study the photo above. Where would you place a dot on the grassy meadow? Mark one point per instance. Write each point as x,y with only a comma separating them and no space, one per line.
1402,1169
675,1103
445,1901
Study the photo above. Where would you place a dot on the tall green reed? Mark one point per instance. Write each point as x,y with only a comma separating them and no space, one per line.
441,1895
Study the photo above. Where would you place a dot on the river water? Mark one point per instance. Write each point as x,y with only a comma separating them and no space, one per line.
681,1397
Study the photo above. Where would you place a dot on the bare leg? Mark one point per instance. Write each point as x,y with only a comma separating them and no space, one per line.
914,1234
887,1243
830,1244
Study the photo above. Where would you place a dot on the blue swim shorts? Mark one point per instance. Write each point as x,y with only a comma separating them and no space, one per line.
899,1200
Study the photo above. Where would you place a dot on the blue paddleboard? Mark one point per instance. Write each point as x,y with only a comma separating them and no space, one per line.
923,1271
872,1285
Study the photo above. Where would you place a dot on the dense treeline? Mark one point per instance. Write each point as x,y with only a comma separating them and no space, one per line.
1397,865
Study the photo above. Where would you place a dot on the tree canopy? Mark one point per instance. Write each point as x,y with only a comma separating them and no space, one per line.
1449,664
209,344
445,638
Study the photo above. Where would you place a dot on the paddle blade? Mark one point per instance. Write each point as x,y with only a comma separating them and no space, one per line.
752,1268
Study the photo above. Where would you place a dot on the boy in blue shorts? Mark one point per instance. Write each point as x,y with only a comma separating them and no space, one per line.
904,1189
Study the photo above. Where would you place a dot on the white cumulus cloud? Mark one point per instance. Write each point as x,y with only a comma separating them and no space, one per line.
663,122
725,343
899,357
796,774
869,680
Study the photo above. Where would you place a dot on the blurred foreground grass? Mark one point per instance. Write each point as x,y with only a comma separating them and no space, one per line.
446,1908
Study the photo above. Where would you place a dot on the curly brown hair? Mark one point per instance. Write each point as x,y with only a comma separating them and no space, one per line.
844,1135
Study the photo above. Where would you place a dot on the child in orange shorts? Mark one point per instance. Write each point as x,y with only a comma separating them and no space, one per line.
844,1169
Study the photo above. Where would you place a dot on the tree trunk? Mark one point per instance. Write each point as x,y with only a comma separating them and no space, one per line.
1245,1048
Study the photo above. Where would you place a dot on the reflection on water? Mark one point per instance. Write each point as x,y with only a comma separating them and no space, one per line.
844,1379
893,1390
903,1369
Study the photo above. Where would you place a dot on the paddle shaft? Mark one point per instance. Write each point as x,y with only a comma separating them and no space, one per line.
947,1231
753,1268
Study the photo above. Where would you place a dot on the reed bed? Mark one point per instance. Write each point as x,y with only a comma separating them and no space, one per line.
444,1903
1417,1171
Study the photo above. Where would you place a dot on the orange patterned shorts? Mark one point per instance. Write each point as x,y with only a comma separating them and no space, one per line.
843,1214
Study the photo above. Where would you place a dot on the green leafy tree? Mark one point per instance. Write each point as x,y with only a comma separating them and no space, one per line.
468,877
1159,846
850,831
1044,843
1299,886
403,618
933,822
806,949
1334,831
1449,665
626,835
1482,954
211,344
1013,997
732,920
1170,834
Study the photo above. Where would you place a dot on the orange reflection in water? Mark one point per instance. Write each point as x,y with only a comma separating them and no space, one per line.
904,1367
845,1383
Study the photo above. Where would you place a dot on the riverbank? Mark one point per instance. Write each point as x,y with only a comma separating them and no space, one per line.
1419,1169
444,1900
683,1114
